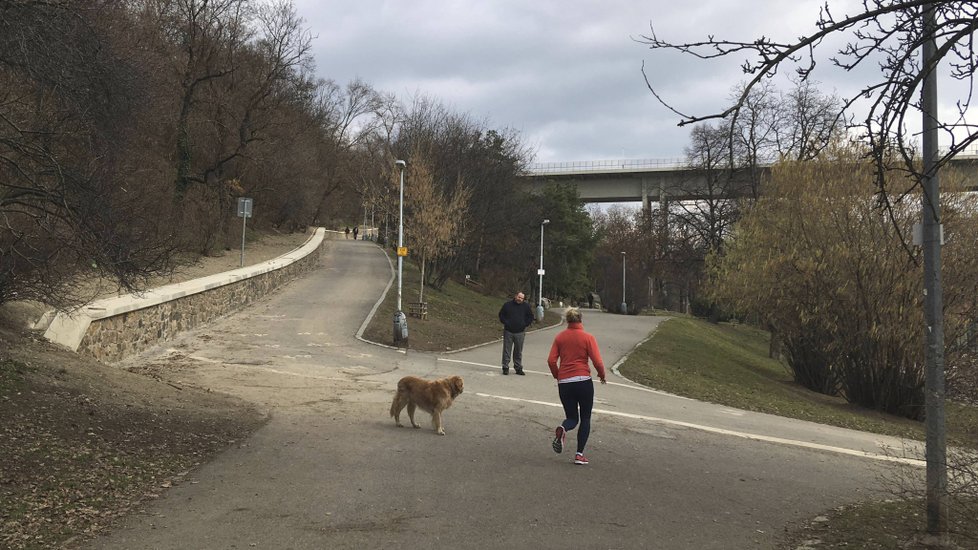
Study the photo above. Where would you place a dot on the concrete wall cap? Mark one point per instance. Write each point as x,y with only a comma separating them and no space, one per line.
69,328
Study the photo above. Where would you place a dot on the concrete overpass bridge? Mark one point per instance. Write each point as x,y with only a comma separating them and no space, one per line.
659,180
626,180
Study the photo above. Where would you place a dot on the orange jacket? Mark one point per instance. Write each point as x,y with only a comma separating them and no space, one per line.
574,347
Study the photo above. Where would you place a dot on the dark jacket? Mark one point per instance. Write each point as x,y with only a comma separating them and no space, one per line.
515,317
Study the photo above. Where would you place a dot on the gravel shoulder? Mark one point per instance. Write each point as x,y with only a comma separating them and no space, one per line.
83,443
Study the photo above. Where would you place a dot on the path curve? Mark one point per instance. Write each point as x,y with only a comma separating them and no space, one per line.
330,470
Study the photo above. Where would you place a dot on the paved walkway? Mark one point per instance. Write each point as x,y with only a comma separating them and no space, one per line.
331,470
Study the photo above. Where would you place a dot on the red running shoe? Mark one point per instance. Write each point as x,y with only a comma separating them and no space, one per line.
559,436
579,458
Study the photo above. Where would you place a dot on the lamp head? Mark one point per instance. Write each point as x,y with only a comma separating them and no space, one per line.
545,222
400,163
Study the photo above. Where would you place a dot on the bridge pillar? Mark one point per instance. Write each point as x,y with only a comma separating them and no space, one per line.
663,232
646,203
663,211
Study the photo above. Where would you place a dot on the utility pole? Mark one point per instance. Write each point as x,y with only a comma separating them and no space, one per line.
400,320
936,453
624,306
540,272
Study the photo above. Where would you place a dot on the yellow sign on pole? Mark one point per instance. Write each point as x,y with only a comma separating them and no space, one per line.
402,251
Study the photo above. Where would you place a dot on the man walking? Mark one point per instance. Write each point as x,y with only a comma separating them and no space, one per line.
516,316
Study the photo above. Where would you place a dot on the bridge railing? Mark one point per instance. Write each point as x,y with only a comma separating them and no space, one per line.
624,165
638,165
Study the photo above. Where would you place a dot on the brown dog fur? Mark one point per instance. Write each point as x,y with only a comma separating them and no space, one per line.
432,396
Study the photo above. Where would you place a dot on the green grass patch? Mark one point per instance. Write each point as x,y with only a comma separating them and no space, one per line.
728,364
459,316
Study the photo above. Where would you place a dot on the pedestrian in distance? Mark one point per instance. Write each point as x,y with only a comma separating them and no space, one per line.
568,362
516,316
347,232
356,229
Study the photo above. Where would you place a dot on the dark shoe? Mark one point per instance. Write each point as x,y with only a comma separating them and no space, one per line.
558,442
520,372
505,372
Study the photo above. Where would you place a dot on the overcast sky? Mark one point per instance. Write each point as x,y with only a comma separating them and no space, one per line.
565,74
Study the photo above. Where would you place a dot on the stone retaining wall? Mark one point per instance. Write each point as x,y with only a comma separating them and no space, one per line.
120,331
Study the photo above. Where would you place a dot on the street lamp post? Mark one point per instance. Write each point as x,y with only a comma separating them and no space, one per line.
540,273
363,234
400,320
651,295
624,306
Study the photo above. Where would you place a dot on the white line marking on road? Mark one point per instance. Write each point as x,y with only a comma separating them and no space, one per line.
721,431
619,384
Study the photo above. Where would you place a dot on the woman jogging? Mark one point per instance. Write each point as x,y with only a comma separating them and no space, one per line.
568,361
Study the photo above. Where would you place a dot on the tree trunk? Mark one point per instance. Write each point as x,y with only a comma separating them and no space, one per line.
421,296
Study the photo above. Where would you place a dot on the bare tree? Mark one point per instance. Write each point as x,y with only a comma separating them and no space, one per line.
714,209
808,122
888,33
71,107
753,138
235,62
348,118
908,40
205,37
432,227
489,161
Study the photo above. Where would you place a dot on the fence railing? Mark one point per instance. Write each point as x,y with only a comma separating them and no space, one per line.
637,165
621,165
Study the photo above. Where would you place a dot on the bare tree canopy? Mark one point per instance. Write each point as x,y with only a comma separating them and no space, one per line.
910,42
128,129
888,34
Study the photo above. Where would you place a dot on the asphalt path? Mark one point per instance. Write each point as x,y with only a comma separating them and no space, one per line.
330,469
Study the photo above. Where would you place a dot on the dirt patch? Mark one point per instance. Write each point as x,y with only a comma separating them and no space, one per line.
83,443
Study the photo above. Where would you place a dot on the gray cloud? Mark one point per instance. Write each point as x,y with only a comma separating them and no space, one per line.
565,74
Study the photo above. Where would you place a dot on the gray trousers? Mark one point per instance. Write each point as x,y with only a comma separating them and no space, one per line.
513,345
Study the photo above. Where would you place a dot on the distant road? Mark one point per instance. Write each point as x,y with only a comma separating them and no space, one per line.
331,470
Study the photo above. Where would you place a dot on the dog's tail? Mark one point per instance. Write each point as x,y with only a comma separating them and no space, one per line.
400,397
395,403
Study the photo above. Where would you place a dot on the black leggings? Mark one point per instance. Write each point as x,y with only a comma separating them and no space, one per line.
574,395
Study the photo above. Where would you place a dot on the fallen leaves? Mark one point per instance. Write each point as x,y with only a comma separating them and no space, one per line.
80,448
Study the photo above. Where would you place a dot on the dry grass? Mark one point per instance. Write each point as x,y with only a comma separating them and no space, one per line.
83,443
459,316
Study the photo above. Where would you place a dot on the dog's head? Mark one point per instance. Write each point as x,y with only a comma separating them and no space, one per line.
455,383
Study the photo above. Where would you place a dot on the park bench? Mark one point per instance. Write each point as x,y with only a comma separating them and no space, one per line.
418,309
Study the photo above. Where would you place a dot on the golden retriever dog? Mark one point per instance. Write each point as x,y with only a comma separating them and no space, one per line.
432,396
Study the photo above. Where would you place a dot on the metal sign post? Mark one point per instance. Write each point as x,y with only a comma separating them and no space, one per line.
244,212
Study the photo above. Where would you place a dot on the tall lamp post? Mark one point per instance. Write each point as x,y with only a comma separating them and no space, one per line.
540,273
400,320
624,306
932,240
